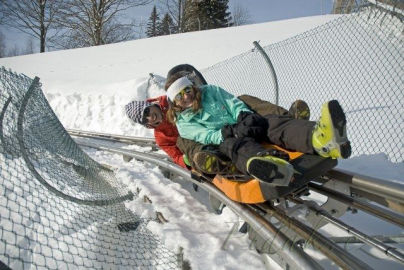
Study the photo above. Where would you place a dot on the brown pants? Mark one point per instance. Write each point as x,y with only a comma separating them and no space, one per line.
189,148
262,107
284,131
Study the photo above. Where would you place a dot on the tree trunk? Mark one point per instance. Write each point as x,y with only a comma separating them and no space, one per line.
98,13
42,25
179,16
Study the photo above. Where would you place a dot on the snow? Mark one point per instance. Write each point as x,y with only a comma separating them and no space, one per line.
88,87
115,68
191,225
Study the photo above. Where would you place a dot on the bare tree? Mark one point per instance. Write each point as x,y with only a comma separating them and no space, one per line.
29,47
33,17
241,15
176,10
2,46
142,25
15,51
2,19
86,23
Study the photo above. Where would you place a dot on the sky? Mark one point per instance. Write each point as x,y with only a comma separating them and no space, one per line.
259,10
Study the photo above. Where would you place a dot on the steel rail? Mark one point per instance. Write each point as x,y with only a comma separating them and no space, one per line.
387,189
375,210
353,240
342,259
374,189
331,250
152,154
334,252
293,254
386,249
111,137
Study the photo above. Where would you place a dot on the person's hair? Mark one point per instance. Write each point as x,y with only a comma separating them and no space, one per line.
174,109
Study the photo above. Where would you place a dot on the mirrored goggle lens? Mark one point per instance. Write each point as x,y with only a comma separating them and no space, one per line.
181,94
146,114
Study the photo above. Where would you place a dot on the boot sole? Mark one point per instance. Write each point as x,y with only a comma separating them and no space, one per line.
267,171
338,119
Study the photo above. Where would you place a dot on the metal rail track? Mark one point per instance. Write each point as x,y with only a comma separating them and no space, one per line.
142,141
386,193
294,257
388,250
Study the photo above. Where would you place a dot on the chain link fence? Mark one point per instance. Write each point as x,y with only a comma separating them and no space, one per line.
59,208
357,59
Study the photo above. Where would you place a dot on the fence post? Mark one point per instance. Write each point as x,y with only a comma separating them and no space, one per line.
271,67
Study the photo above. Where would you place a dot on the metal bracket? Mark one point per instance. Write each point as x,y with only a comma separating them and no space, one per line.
332,206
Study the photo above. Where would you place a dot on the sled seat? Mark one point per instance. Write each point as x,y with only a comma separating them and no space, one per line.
246,189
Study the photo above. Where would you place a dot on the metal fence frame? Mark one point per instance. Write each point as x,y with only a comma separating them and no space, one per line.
362,52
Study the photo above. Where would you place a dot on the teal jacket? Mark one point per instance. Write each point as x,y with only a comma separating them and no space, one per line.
219,108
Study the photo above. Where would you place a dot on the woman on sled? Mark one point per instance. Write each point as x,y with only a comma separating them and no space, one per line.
210,115
151,113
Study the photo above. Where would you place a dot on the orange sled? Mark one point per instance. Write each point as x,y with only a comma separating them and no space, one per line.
250,190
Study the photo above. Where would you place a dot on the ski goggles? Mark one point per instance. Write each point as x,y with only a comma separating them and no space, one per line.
145,121
146,113
187,90
177,86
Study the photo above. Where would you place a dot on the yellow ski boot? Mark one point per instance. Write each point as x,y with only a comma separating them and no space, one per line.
300,110
211,161
329,135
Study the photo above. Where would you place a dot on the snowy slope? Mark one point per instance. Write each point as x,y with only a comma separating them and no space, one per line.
114,68
87,88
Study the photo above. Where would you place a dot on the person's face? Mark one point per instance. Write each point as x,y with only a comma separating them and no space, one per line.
185,98
153,116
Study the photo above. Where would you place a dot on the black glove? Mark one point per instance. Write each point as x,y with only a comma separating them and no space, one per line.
251,119
227,131
248,125
241,130
251,125
243,115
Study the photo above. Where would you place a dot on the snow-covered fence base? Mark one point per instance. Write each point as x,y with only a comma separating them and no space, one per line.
357,58
59,208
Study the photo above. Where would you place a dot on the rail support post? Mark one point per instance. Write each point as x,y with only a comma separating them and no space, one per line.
271,68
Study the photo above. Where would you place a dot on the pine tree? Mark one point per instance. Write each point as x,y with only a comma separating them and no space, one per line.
176,10
218,14
166,26
152,25
206,14
192,16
